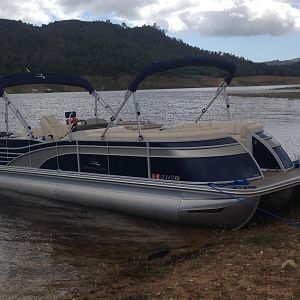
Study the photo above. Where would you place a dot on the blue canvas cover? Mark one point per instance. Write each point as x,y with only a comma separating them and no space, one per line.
44,78
183,62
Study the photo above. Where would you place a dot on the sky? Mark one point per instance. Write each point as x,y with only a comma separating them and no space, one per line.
259,30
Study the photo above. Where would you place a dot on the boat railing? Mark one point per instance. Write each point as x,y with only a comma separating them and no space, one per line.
172,64
56,78
46,78
17,113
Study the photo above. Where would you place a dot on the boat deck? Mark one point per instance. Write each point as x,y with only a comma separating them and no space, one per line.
273,181
274,177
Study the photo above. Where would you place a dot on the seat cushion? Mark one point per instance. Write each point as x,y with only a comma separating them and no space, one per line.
51,126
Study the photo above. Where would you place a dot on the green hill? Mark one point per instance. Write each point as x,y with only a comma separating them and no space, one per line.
108,53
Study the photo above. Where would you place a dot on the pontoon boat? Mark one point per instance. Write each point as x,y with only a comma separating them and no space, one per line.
211,173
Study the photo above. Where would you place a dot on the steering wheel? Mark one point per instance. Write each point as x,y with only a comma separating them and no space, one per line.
80,122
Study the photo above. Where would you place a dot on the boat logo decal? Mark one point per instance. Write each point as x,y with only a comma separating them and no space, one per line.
94,166
94,163
40,76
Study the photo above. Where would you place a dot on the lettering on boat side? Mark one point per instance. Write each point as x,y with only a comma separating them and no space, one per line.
165,176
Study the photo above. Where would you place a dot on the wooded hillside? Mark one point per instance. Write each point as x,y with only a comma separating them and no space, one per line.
107,50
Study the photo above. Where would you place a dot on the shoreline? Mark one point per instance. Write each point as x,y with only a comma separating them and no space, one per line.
279,94
157,82
208,264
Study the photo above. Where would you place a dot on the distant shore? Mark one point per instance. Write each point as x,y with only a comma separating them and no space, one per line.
288,95
159,82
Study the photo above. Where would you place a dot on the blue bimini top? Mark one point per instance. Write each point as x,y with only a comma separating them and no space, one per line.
44,78
228,66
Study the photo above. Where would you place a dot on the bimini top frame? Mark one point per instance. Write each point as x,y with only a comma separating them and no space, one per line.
45,78
174,64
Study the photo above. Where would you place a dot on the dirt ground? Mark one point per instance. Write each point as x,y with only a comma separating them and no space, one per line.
211,264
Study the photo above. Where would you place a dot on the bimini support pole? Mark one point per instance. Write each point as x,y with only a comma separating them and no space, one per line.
226,97
6,118
218,92
105,105
17,114
116,114
138,113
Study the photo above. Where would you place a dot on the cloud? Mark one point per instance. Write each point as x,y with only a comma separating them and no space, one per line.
245,18
232,17
211,18
125,9
27,11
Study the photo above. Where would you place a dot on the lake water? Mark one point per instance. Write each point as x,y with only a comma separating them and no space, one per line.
50,249
280,117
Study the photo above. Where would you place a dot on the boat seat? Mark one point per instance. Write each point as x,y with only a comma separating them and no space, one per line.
179,134
240,130
121,133
52,128
204,130
37,132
